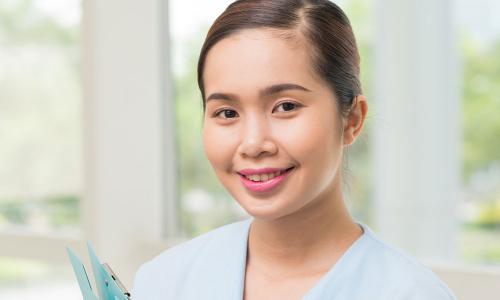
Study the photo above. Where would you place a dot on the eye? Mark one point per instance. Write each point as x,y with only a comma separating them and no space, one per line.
227,113
287,106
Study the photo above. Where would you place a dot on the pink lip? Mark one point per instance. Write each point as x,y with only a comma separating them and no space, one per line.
260,171
266,185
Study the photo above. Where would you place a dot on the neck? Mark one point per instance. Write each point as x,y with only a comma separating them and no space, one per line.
308,239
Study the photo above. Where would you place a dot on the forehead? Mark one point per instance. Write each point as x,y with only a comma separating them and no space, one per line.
257,57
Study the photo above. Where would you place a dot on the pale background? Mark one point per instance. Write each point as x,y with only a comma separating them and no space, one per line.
100,121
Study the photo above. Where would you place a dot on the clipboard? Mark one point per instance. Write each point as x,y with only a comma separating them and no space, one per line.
109,286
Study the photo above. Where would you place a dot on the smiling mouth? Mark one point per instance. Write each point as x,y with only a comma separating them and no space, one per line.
263,183
265,177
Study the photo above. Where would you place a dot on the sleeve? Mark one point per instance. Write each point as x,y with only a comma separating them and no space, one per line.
154,280
141,289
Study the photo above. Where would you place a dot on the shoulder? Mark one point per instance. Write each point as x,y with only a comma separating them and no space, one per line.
164,274
202,244
399,274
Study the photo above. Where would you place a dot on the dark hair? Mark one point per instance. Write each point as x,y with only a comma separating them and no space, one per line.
325,26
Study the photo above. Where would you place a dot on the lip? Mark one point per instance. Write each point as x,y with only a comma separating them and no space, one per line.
261,171
267,185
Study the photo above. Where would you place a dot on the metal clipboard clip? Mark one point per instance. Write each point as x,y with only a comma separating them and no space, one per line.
108,285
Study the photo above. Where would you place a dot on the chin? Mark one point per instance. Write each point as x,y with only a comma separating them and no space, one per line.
266,207
264,212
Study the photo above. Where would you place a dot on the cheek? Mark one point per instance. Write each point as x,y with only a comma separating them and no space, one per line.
219,145
310,137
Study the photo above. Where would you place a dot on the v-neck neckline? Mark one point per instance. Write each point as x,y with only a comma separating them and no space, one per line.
328,276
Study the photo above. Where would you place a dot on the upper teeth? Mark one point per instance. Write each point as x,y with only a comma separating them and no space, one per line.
263,177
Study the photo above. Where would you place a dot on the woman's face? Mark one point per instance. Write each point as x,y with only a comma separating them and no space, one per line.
250,125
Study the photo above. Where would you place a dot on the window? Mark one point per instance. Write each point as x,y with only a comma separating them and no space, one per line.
40,140
479,30
40,95
204,204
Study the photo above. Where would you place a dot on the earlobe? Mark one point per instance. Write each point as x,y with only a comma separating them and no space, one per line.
355,120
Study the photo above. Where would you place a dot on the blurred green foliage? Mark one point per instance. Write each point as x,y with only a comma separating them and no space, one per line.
481,96
22,23
189,120
481,124
60,211
13,212
489,215
480,245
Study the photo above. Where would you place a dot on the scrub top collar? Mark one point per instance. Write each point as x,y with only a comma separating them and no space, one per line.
324,285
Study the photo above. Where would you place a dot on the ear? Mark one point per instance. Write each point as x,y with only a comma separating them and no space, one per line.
355,120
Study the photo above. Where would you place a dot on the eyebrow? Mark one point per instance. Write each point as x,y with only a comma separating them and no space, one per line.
267,91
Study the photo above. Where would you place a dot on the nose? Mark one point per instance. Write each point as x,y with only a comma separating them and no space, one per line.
256,138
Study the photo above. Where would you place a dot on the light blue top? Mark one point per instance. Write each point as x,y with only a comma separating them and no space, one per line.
212,266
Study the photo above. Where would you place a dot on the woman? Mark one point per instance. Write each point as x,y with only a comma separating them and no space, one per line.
282,100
